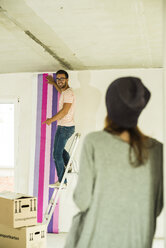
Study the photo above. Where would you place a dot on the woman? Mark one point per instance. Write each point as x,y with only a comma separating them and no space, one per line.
120,187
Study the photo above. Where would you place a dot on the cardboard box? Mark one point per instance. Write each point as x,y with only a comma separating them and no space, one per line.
24,237
17,210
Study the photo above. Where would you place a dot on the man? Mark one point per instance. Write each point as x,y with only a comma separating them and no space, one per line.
65,122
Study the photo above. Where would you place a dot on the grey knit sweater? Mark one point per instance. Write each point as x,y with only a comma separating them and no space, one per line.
118,203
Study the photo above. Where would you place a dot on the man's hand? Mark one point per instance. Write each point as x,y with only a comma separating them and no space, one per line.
48,121
50,79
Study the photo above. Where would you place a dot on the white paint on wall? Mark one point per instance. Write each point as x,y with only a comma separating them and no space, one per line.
33,134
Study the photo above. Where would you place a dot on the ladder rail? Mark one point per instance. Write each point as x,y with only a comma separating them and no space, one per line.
72,144
74,166
57,191
49,206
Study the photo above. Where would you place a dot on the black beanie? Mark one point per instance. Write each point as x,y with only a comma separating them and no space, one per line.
126,97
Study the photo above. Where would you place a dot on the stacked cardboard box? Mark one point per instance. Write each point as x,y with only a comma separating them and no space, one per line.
18,222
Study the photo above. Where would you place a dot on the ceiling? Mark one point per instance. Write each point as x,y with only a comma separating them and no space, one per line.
47,35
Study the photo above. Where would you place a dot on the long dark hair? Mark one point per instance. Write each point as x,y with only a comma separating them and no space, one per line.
138,142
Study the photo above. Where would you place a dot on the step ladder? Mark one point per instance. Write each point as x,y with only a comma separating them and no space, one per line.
57,190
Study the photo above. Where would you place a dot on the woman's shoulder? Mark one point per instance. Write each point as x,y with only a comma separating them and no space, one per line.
97,136
155,146
93,135
154,142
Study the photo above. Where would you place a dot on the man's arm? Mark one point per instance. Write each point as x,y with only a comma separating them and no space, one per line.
64,111
50,80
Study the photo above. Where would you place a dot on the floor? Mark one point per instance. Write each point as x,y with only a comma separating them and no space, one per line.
58,241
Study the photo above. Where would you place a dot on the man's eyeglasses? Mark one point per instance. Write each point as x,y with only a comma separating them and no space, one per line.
60,79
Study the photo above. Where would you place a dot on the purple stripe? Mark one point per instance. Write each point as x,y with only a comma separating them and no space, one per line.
52,164
38,133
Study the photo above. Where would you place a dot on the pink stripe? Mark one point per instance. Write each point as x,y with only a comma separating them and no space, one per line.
56,177
56,212
48,152
42,153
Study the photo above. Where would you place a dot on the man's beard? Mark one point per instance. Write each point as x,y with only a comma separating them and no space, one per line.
63,86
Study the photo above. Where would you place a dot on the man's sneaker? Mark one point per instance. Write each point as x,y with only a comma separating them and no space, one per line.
64,185
70,168
57,185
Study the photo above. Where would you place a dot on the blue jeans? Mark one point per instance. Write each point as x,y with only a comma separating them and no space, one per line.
60,155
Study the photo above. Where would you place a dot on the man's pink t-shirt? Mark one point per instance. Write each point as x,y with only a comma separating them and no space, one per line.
67,96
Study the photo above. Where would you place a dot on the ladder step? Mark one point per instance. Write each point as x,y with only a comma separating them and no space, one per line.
54,186
52,203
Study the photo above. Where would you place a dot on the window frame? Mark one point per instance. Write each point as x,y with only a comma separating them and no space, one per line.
15,101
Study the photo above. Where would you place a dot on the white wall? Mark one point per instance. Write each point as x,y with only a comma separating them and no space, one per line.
90,88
